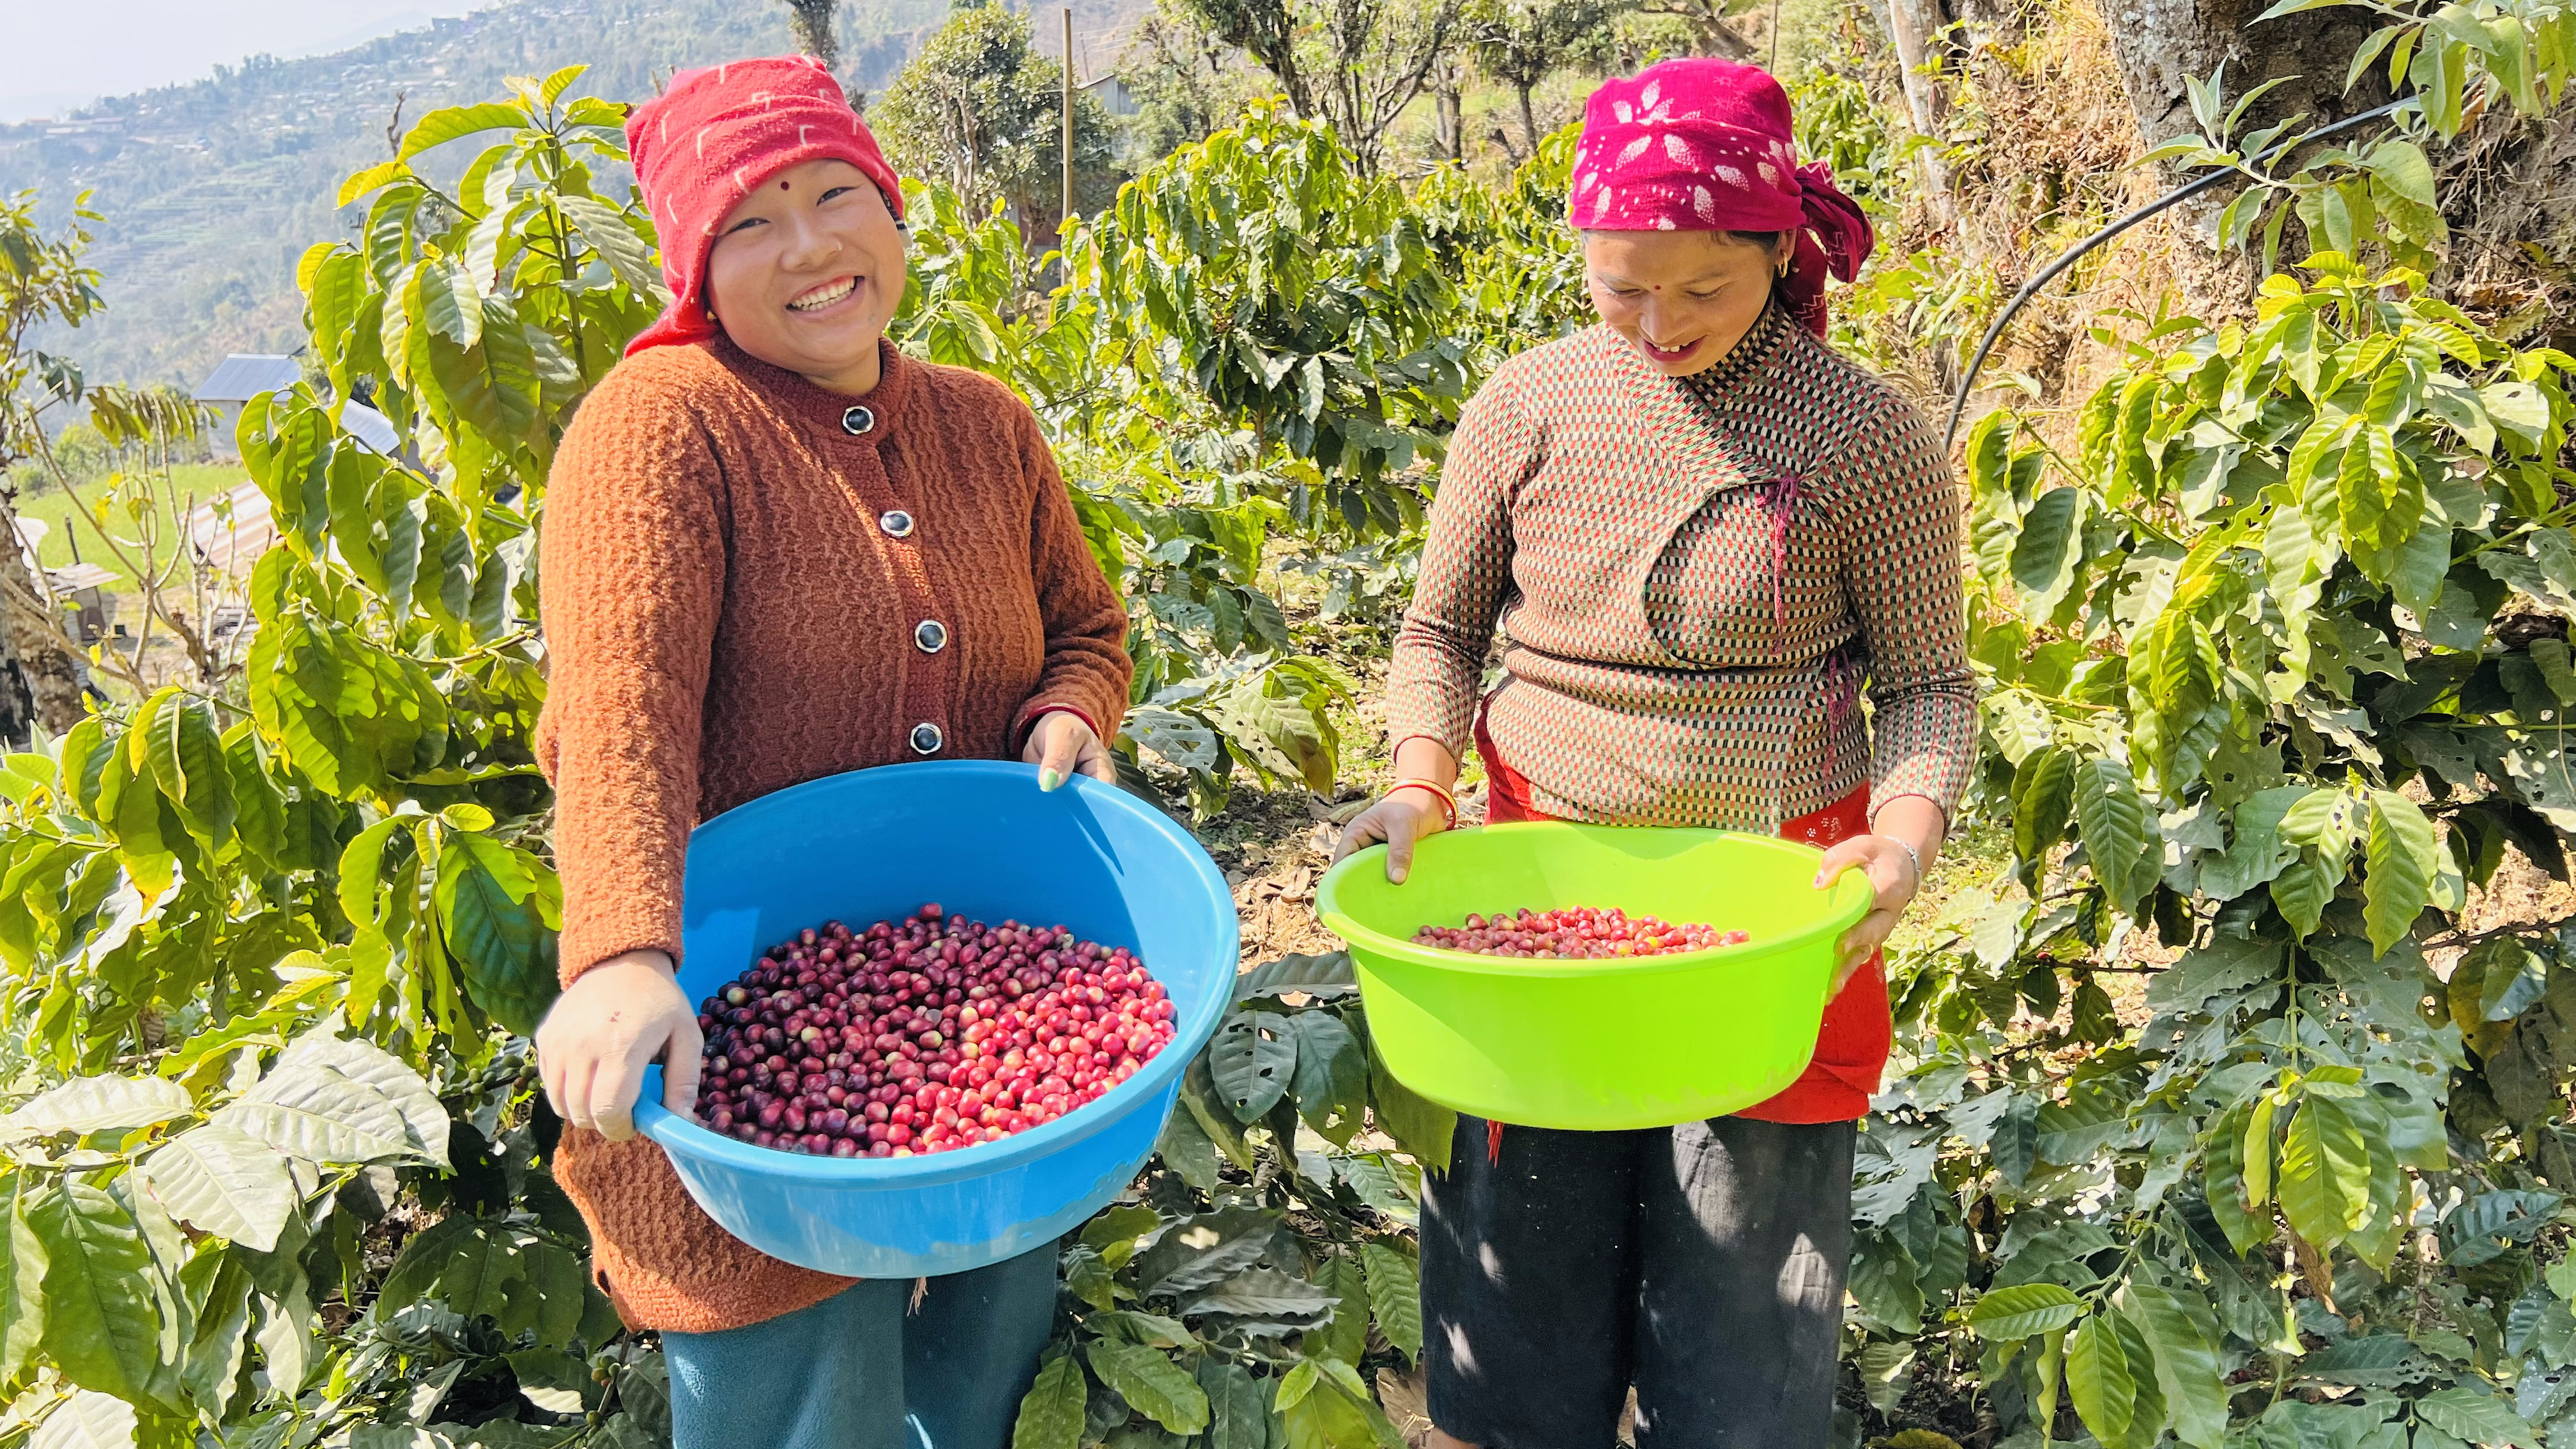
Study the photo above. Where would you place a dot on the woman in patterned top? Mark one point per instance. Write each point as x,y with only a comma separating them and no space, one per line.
1699,532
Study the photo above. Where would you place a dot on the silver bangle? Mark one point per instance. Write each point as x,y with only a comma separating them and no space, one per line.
1911,854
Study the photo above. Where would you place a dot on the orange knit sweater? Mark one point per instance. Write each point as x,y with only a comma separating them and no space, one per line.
737,568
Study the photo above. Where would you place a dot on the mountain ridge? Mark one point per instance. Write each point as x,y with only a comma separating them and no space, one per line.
211,189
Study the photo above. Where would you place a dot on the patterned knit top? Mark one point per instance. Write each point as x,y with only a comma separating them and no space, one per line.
1693,577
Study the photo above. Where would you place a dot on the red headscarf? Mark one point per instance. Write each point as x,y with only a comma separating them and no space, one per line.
1705,145
701,147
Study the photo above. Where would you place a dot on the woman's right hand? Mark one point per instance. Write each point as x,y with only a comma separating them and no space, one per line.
613,1021
1406,815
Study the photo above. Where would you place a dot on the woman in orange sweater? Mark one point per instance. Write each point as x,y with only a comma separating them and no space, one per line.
776,548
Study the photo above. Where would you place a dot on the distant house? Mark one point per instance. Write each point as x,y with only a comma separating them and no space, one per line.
231,533
1113,95
245,375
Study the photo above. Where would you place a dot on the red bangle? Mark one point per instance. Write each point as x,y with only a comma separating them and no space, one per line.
1029,726
1448,802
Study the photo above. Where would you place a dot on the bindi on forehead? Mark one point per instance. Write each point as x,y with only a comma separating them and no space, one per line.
782,186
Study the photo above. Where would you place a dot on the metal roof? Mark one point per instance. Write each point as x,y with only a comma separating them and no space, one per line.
245,375
370,427
80,576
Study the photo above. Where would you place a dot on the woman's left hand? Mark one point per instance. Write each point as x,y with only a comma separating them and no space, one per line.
1892,874
1060,744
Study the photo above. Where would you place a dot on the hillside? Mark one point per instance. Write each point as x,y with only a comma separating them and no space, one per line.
211,190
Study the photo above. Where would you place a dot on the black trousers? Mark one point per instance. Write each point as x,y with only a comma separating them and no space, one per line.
1702,1264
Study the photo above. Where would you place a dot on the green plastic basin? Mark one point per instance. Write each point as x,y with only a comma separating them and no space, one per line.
1596,1045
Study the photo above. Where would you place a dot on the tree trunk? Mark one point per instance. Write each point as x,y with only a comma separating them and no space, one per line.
1915,27
2160,44
1449,124
40,671
1529,119
17,701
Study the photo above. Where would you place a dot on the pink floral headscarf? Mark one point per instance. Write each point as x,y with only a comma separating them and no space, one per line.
1706,145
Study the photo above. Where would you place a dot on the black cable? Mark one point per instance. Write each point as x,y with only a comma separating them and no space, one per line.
2049,273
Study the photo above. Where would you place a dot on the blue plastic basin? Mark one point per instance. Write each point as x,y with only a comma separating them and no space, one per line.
981,839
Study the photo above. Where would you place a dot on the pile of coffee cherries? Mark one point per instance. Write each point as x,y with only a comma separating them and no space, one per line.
1579,933
925,1035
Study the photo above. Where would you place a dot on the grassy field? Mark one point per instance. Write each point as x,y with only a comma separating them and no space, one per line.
206,481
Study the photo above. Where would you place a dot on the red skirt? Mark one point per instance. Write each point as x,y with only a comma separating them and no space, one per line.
1853,1043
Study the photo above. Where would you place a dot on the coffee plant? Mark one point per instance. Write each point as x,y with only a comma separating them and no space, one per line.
2278,667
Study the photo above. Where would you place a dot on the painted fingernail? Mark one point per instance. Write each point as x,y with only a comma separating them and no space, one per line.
1050,777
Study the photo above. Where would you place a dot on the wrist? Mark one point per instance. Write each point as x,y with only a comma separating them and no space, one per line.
648,958
1439,795
1913,857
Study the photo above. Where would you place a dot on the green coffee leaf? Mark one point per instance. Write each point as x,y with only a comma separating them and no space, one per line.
472,1266
1237,1419
1205,1249
425,1122
2302,891
2325,1172
102,1320
2101,1380
2188,1369
22,1283
1151,1384
2045,558
1253,1058
491,913
220,1181
212,1372
1344,1334
1331,1078
1050,1414
2228,964
1395,1297
97,1104
1262,1293
1374,1178
187,760
452,123
1324,1405
2113,824
1114,1232
2475,1418
1186,1148
2254,1157
87,1420
2377,1360
2043,798
2025,1310
314,1112
2404,856
608,233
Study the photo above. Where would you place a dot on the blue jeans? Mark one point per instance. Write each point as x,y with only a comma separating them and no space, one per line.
858,1371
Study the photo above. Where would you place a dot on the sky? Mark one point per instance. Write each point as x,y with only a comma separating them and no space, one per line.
59,54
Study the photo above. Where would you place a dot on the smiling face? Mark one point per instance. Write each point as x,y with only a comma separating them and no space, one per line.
1683,299
806,272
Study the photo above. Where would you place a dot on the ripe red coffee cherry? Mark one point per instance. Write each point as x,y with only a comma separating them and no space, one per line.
928,1045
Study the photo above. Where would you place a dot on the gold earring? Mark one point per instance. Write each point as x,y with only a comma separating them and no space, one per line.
1784,268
